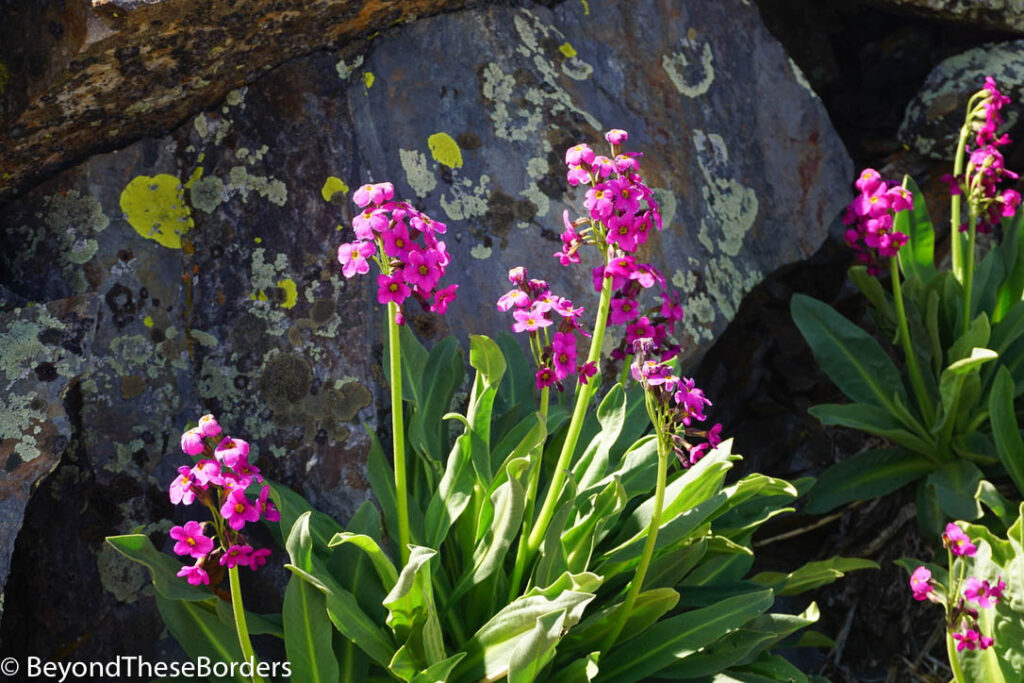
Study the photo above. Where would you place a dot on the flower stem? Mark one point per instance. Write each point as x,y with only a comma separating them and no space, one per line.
955,241
969,271
954,661
664,450
584,392
531,499
916,378
398,433
240,627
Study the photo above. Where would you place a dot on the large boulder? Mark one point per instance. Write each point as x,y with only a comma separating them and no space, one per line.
1001,15
212,248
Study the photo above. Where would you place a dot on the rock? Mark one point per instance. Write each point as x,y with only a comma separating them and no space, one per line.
931,124
80,77
213,248
43,351
1001,15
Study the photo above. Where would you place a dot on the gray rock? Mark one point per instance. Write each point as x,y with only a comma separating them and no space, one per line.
1002,15
931,124
213,247
43,351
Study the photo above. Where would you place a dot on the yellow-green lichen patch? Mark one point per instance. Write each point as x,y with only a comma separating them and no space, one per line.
418,174
333,186
368,79
291,292
192,179
586,7
690,69
445,150
798,74
148,321
234,98
567,49
206,194
155,207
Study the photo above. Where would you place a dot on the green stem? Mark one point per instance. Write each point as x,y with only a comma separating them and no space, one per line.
916,378
954,662
398,433
969,274
240,627
955,244
584,393
664,450
531,498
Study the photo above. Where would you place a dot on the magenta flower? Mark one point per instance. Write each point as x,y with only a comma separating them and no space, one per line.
208,426
545,377
920,583
623,311
237,510
715,435
563,349
580,154
232,452
422,270
267,507
515,298
236,555
206,472
392,288
192,442
181,490
586,371
397,243
352,257
957,541
442,298
258,558
616,136
981,592
529,321
190,540
375,193
196,575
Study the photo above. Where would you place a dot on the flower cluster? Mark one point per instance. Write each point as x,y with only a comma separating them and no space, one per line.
677,404
535,310
986,168
962,615
870,219
218,480
621,209
403,241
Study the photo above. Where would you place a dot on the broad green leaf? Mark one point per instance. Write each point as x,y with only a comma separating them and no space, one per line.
486,358
439,672
977,336
258,624
650,606
491,649
848,354
454,492
537,647
1011,251
873,291
412,614
382,481
441,377
733,648
812,575
581,670
917,257
594,518
672,567
987,277
956,487
162,568
308,633
611,415
353,569
990,497
769,667
291,506
866,475
673,639
515,400
951,386
200,632
381,563
930,517
1005,431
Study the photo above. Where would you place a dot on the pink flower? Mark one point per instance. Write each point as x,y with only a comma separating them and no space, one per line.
981,592
529,321
920,583
422,270
206,472
715,435
545,377
192,442
196,575
623,310
267,507
515,298
580,154
181,488
397,243
442,298
971,639
190,540
237,555
517,275
563,350
375,193
868,181
599,202
352,257
392,288
957,541
232,452
208,426
258,558
616,136
237,510
586,371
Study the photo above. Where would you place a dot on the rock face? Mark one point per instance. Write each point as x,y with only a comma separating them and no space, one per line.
80,76
933,118
212,249
1002,15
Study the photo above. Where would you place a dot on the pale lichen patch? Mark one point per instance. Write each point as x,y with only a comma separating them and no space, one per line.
418,174
691,68
731,206
467,201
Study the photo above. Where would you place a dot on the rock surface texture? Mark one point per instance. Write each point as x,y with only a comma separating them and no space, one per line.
212,249
1003,15
933,118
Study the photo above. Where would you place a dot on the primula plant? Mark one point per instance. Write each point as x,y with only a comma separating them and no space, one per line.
563,533
946,406
979,591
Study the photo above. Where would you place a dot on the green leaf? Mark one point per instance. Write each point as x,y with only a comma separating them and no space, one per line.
812,575
308,633
381,562
1005,431
930,517
769,667
976,336
1011,251
491,650
412,614
594,518
163,568
873,291
200,632
442,376
987,277
650,606
917,257
291,506
956,486
681,636
439,672
866,475
848,354
611,415
952,382
873,420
